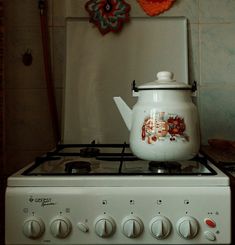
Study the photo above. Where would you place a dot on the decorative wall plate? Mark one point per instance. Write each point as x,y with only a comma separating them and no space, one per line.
155,7
108,15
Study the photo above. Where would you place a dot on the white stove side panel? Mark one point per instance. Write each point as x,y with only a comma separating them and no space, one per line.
100,67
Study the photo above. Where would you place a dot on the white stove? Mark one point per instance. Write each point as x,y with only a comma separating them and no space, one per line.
102,194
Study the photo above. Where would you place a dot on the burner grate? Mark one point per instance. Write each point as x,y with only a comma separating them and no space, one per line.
110,159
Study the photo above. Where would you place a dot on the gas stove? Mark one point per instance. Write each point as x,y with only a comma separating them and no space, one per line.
103,194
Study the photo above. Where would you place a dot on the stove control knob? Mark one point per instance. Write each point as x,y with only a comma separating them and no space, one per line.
160,227
187,227
33,227
60,227
132,226
104,226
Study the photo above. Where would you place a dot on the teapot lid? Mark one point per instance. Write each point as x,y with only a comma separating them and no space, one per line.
164,81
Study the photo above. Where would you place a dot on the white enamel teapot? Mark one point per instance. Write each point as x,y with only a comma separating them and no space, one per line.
164,123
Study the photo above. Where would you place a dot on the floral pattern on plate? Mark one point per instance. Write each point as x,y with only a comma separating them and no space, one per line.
108,15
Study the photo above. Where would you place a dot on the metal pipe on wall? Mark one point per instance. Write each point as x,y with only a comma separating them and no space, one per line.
42,5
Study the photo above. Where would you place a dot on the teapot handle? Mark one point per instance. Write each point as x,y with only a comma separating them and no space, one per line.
134,88
194,86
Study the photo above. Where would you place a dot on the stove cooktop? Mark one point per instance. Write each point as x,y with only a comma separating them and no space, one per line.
115,159
112,165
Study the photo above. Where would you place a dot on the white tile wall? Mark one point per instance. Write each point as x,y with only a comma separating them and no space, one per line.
216,11
28,122
217,69
217,54
19,41
217,112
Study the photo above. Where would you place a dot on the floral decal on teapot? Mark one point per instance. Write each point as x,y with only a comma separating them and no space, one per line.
164,126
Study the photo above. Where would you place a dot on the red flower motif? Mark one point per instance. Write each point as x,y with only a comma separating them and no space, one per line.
176,125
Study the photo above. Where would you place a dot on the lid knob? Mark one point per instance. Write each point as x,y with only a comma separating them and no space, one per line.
165,75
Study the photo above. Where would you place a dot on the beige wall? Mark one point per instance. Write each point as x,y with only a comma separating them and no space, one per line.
28,123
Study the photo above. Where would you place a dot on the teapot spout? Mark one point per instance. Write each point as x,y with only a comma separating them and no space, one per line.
125,111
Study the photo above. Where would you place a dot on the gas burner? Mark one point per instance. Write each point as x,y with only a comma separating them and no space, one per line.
89,152
77,167
164,167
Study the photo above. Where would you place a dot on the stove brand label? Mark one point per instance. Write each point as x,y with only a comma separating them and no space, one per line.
43,201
